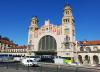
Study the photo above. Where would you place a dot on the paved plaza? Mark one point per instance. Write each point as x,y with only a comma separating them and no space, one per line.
45,67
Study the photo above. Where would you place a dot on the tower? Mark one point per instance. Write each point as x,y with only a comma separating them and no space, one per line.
67,14
32,28
68,23
68,32
34,23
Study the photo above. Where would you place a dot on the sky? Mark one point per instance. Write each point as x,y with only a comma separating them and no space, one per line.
15,17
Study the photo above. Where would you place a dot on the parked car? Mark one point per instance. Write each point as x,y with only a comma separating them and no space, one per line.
29,62
17,59
58,60
37,58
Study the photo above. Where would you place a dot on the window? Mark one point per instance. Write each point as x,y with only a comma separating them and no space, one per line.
51,28
66,20
81,48
88,49
95,48
67,38
29,61
67,12
47,43
46,28
73,32
67,45
58,32
67,31
31,28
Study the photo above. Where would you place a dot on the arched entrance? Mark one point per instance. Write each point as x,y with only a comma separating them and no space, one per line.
47,46
95,59
80,59
87,59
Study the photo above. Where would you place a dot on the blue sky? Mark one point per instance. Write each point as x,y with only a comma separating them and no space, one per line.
15,17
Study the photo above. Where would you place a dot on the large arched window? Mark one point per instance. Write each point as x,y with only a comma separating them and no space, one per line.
47,43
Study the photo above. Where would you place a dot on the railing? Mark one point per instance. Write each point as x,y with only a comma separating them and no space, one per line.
45,67
89,52
14,52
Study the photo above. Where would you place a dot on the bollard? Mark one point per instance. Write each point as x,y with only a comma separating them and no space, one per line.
76,69
17,67
58,68
28,69
7,65
41,68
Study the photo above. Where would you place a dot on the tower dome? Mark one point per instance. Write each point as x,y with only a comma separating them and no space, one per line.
67,6
35,18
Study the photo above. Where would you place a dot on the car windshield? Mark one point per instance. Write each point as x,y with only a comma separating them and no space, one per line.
29,61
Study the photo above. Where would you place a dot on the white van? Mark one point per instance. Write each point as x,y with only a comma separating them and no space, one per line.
29,62
58,60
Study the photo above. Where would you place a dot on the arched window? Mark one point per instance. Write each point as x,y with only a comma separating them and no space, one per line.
47,43
67,30
95,48
87,59
67,38
66,20
80,59
31,28
95,59
67,12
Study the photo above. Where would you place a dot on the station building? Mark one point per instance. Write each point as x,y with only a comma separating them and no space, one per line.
54,40
51,39
89,52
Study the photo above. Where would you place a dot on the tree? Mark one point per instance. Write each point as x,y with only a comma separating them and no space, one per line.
6,38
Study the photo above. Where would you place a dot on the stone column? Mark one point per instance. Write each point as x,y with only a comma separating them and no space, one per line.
76,57
99,57
91,60
83,58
